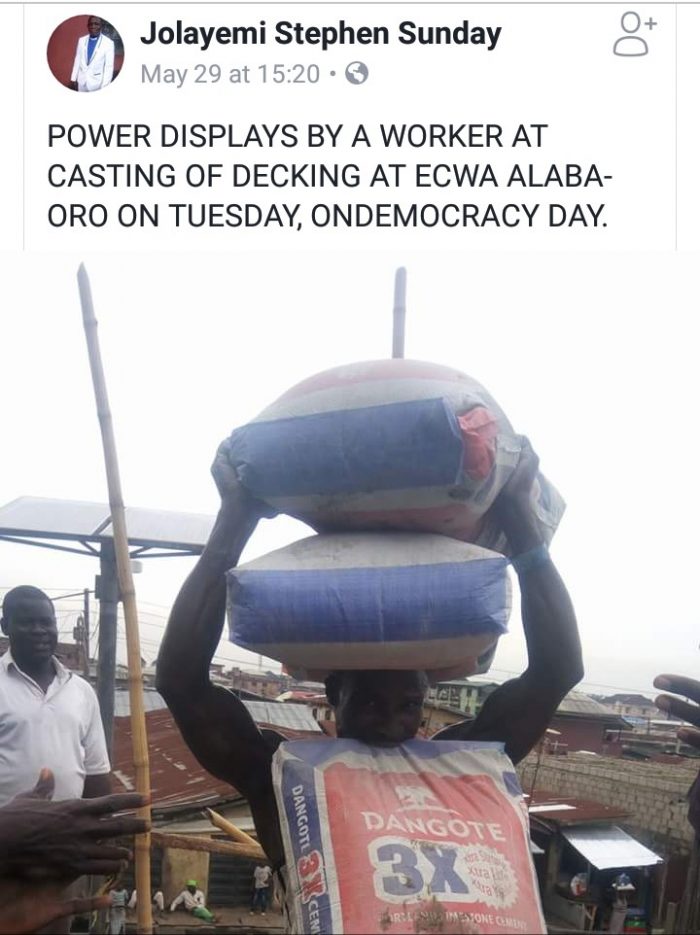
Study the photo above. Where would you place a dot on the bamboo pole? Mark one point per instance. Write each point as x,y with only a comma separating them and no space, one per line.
223,824
142,843
186,842
399,333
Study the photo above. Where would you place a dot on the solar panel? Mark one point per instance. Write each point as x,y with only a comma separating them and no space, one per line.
75,519
45,518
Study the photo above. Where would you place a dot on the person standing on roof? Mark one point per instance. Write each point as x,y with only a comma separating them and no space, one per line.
117,912
261,889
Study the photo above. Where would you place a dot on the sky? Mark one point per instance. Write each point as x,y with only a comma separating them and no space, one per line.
593,356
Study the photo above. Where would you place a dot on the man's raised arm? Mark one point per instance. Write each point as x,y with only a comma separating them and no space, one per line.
519,711
214,722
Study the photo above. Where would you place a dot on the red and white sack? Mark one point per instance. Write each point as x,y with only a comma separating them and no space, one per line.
386,600
387,444
429,836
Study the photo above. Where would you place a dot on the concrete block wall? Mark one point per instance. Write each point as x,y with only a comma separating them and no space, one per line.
653,794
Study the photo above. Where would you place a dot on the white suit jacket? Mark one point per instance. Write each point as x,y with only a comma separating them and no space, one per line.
98,73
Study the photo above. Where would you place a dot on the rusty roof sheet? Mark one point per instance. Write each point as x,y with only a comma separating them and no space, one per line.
564,811
177,779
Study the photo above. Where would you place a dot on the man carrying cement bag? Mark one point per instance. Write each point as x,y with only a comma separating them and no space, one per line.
374,707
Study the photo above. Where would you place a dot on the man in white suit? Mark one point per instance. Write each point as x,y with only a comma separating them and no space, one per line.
93,68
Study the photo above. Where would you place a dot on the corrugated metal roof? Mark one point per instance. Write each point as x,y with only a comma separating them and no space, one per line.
567,811
560,807
296,717
610,848
285,715
152,701
177,779
43,517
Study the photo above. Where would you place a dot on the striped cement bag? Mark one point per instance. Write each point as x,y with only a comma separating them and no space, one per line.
387,600
387,444
430,836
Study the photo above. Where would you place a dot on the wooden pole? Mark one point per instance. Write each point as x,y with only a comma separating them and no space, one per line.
223,824
399,334
142,842
188,842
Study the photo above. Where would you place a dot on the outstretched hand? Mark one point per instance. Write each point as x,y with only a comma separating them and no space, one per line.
686,710
41,839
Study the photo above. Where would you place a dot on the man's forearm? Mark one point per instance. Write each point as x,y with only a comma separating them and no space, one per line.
549,621
197,618
551,632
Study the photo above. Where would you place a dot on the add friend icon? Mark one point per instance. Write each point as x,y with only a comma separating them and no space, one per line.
631,44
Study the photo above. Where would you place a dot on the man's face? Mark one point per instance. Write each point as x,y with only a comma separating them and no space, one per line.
192,889
94,26
31,629
383,707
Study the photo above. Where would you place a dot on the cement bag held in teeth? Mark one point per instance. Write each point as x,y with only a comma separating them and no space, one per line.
371,601
387,444
427,836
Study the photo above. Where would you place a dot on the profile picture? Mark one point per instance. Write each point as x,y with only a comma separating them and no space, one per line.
85,53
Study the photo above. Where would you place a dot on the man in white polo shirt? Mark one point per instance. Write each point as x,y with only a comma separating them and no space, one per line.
49,716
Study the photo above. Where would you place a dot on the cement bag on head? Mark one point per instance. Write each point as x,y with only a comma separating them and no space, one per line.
430,836
371,601
387,444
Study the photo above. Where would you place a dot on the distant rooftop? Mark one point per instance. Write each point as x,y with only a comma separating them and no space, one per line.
295,717
640,700
473,681
177,780
582,704
566,810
